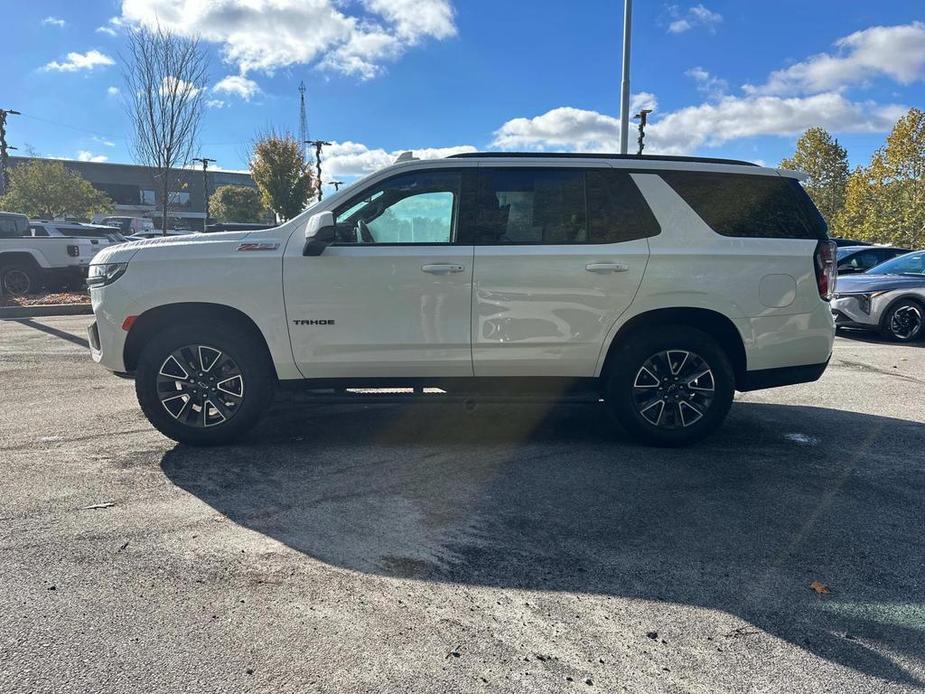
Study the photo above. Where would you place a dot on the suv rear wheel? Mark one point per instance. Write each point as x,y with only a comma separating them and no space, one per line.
204,384
670,386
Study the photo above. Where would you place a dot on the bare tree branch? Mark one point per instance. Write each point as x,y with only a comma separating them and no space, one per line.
166,78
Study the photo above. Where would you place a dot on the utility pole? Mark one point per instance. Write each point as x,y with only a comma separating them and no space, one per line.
4,159
318,144
336,184
625,94
303,118
205,187
643,118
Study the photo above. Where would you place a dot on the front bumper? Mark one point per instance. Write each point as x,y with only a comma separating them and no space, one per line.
855,311
105,333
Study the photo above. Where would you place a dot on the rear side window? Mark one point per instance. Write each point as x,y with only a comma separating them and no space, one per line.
750,206
558,206
530,206
618,212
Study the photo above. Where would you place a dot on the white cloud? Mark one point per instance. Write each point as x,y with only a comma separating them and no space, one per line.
180,87
103,141
112,91
84,155
897,52
215,103
714,87
270,34
695,16
53,22
706,125
568,128
239,85
352,159
81,61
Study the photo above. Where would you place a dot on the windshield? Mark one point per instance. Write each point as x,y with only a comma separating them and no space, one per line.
909,264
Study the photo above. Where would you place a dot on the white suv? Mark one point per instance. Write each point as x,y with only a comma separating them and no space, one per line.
660,285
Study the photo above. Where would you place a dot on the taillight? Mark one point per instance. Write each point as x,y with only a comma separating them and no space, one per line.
73,251
825,261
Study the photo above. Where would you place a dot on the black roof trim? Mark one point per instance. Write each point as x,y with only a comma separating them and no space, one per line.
596,155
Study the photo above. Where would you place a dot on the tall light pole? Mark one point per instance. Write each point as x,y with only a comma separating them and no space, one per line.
625,94
318,144
205,187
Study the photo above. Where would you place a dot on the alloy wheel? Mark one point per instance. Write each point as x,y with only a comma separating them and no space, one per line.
674,389
906,322
200,386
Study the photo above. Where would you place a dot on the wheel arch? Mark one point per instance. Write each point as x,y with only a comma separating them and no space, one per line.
155,319
715,324
21,257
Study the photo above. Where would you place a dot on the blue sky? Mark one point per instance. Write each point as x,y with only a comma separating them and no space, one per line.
735,78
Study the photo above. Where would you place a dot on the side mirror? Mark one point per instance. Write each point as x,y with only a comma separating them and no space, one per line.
319,234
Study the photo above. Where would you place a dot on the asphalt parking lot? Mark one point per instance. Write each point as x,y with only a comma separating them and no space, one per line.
347,548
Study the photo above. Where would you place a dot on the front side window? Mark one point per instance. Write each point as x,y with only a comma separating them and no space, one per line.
530,206
418,208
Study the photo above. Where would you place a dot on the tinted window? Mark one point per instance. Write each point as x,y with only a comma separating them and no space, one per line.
530,206
618,212
753,206
417,208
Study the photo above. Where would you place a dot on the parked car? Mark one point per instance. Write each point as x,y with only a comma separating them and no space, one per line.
155,233
854,259
660,284
28,263
889,298
849,242
103,235
128,225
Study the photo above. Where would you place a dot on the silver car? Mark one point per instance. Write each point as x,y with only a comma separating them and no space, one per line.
889,298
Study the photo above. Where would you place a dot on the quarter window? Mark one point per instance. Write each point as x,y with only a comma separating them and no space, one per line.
415,208
749,205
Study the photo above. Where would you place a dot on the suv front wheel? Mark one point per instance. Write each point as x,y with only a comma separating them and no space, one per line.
670,386
204,384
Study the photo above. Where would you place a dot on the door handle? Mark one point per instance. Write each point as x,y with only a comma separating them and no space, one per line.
607,267
442,269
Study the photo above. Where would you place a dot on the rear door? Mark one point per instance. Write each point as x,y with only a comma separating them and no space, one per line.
559,255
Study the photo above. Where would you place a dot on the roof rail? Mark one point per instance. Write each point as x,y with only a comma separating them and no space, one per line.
596,155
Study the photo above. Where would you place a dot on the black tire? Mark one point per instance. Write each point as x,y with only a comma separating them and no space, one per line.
689,411
904,321
19,279
156,375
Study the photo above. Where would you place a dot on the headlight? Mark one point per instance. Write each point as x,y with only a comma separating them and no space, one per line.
107,273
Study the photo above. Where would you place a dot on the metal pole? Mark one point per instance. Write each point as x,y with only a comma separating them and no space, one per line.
625,94
205,188
3,146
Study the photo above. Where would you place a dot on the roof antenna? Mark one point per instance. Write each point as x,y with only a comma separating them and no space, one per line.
406,156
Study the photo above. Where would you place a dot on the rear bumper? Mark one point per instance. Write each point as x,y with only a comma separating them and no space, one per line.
785,376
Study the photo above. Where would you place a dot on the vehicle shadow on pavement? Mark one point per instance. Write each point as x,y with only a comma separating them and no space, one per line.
547,498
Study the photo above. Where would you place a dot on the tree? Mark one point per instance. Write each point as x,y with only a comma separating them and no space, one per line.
281,173
165,77
825,161
46,189
237,204
885,202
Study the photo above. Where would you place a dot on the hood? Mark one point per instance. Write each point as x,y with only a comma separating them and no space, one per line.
864,283
123,252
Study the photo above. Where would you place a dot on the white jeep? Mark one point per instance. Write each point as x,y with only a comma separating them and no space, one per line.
659,285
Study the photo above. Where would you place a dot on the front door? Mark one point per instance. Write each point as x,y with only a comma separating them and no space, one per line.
392,296
559,256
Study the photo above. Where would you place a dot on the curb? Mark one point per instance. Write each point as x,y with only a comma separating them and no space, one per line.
8,312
